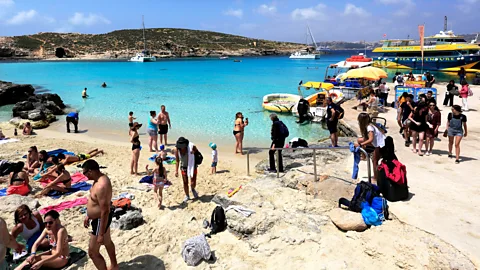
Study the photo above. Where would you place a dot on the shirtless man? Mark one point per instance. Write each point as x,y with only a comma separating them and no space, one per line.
163,124
99,215
6,241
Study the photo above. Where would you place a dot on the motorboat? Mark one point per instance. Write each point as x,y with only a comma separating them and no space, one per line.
281,103
223,57
143,56
307,53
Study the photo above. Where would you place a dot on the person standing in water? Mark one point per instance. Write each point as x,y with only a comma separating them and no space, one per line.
84,93
99,216
104,85
163,124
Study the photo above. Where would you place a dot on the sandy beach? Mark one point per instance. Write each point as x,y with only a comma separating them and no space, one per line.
438,228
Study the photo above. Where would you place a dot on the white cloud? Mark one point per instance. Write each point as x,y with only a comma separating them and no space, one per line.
92,19
266,9
234,13
23,17
312,13
6,3
351,9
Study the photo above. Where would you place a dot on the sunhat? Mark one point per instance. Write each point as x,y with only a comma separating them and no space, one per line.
212,145
181,143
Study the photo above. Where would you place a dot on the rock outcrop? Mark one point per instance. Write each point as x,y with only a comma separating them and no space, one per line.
39,109
10,203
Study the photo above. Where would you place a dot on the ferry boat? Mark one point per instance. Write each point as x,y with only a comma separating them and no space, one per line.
443,52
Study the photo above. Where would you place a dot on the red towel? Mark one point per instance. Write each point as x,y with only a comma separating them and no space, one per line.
20,190
76,177
64,205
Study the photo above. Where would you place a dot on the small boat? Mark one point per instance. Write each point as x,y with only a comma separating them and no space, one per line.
223,57
237,60
307,53
282,103
317,102
144,56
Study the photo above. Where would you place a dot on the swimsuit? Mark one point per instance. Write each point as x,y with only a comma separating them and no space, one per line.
235,132
162,129
136,143
96,223
159,180
53,243
83,156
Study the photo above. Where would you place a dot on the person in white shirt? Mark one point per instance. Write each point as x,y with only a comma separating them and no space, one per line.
384,92
214,158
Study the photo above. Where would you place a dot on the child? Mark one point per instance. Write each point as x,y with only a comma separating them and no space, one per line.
159,180
130,120
163,153
214,158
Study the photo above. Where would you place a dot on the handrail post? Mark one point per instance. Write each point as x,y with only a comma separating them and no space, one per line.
248,162
278,163
315,164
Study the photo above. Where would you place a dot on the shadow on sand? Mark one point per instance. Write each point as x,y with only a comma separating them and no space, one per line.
143,262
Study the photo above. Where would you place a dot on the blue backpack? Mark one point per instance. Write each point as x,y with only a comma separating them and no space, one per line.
380,206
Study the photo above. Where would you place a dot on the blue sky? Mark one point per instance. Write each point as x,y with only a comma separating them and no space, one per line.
283,20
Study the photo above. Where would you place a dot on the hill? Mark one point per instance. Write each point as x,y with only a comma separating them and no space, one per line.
162,42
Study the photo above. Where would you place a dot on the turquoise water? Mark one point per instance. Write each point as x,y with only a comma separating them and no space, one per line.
202,95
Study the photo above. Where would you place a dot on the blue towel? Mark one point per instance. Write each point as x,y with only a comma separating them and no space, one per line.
3,192
152,158
54,152
356,159
81,186
147,179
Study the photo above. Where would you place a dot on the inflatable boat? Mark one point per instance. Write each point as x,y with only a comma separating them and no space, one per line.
282,103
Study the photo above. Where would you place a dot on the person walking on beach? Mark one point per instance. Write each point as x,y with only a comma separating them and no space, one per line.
214,157
163,124
152,131
456,130
99,216
238,132
435,120
185,158
461,74
384,93
159,180
418,126
135,140
452,89
405,109
332,121
279,133
84,93
72,117
400,101
464,95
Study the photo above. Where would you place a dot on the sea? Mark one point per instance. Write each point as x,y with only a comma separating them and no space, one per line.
202,95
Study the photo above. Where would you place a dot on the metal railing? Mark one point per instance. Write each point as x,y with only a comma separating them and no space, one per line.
314,149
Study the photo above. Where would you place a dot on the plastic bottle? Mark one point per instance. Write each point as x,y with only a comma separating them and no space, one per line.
15,133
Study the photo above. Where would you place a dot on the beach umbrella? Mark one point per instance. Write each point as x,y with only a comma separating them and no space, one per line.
371,73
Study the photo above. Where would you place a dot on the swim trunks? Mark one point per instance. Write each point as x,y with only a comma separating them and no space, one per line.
162,129
184,171
130,124
83,156
96,223
214,164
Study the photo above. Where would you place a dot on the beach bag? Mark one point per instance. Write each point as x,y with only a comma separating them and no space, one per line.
369,215
470,92
198,157
218,221
284,133
339,112
299,143
364,192
195,250
380,206
122,203
392,180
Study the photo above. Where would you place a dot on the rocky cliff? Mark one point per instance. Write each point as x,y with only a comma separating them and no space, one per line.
161,42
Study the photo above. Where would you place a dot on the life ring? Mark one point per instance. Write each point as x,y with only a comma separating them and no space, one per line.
333,96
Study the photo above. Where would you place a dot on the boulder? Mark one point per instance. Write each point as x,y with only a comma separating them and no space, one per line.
13,93
10,203
19,122
22,106
347,220
52,97
53,107
128,221
36,115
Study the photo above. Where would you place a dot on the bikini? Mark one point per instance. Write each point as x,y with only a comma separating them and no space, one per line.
53,243
65,182
159,179
136,143
235,132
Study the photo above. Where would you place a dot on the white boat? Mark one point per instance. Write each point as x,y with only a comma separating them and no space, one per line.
143,56
306,53
282,103
223,57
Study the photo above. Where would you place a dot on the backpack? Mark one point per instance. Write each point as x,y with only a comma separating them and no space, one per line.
198,157
399,79
364,192
339,112
123,203
470,92
283,130
218,221
380,206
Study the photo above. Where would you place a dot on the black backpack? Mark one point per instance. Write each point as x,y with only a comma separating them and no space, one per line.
218,221
198,157
283,130
364,192
400,79
339,112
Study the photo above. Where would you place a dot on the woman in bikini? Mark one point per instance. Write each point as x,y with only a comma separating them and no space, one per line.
19,181
238,132
57,236
32,160
159,180
29,225
135,140
63,178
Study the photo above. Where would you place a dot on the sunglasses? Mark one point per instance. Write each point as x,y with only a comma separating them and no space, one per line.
48,223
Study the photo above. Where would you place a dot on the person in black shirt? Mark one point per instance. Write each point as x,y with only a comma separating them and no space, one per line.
430,99
332,121
405,109
278,141
451,88
418,126
430,80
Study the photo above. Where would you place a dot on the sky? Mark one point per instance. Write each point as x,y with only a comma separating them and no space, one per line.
281,20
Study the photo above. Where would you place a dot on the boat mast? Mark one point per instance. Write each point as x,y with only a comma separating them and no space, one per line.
445,24
311,36
144,40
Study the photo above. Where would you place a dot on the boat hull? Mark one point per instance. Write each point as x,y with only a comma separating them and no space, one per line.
281,103
312,56
143,59
470,63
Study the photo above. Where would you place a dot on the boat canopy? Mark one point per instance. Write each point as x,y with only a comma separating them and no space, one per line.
346,64
318,85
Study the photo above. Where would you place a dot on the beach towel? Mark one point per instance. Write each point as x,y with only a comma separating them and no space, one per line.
240,209
76,178
168,160
21,190
147,179
3,192
82,186
4,141
191,160
76,254
64,205
56,152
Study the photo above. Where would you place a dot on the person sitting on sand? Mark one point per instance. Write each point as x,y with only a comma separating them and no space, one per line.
63,177
162,153
185,157
32,160
104,85
57,235
136,146
27,129
159,180
19,181
29,225
2,136
69,159
45,162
